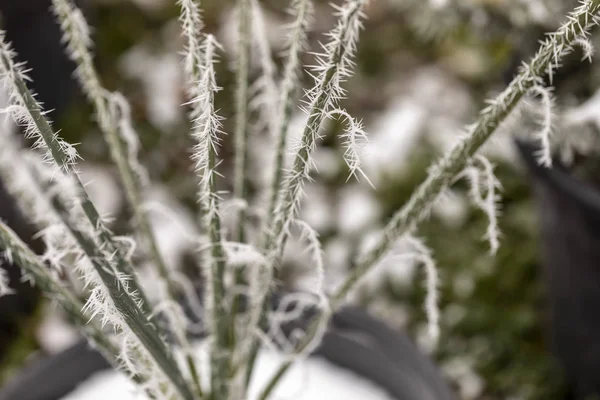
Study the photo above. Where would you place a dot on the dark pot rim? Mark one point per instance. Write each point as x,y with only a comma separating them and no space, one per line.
356,342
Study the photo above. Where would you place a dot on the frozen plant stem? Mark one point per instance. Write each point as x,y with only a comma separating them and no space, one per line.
240,183
61,159
76,33
333,66
113,115
205,132
547,59
18,253
134,316
303,12
579,23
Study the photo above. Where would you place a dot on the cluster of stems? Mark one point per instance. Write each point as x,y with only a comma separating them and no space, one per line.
235,332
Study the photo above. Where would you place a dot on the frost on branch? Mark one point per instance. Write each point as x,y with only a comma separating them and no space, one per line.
483,193
546,123
354,140
334,66
10,74
191,23
121,114
411,249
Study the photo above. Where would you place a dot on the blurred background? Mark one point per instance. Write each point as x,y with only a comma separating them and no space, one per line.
424,68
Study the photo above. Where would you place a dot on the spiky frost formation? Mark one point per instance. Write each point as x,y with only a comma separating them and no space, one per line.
12,76
61,245
546,119
302,11
121,112
190,19
101,259
15,251
333,67
206,132
114,119
421,253
546,60
354,140
483,193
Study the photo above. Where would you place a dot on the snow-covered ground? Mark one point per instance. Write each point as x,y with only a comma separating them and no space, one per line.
310,379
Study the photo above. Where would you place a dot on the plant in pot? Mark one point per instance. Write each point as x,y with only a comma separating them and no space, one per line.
167,343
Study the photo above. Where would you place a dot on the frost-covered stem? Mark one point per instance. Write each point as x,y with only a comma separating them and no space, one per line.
303,12
333,66
130,312
76,33
18,253
205,132
191,22
63,161
547,59
332,69
134,315
241,111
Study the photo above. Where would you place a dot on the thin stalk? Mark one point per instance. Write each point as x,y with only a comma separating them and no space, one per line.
75,31
205,132
240,184
579,23
303,11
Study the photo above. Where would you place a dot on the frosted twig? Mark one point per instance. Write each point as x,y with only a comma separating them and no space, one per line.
354,139
302,12
558,44
546,124
113,115
241,110
334,65
206,130
18,253
489,203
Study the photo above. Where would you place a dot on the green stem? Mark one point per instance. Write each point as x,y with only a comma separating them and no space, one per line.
240,187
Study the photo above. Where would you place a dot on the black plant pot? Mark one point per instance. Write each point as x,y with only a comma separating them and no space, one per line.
570,235
355,341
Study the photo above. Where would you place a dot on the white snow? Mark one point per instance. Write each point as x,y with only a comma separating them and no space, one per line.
358,210
311,379
102,188
161,78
